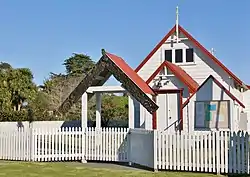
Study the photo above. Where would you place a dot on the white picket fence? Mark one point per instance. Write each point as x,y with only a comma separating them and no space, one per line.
216,152
64,144
15,144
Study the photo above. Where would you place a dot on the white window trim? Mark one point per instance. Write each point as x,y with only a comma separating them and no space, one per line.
163,60
184,62
190,63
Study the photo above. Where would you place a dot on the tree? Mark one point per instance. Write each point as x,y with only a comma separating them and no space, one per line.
16,87
78,64
22,87
59,86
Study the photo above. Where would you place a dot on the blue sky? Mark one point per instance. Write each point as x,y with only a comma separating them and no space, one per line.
41,34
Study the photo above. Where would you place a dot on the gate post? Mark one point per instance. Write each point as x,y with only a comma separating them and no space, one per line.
129,148
83,145
31,144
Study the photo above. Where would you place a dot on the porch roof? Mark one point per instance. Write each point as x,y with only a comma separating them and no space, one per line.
179,73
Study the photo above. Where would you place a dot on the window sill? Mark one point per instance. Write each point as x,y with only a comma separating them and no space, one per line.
186,64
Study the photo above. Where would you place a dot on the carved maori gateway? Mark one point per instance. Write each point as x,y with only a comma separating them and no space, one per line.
108,65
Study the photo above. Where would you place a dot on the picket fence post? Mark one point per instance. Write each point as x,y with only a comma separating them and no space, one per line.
129,148
84,129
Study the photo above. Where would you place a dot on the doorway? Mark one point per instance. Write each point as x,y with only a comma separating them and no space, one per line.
169,114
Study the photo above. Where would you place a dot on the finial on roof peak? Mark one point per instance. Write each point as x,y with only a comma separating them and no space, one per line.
103,52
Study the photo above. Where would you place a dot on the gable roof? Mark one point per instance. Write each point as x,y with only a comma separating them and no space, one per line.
179,73
221,86
198,45
108,65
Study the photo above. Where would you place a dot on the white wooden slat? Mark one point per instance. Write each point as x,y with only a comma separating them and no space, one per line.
238,167
217,150
39,145
247,153
112,144
92,143
197,139
116,144
242,153
95,144
119,144
160,149
178,151
170,152
45,157
230,156
213,152
174,151
164,151
193,151
221,152
67,144
182,154
226,152
185,137
106,144
70,154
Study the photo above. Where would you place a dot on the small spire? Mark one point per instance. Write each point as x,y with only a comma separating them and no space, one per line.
177,23
213,51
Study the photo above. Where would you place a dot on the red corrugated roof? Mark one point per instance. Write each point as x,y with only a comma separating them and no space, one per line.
198,45
221,86
179,73
130,73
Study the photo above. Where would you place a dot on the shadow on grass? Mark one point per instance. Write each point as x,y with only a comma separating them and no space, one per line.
118,165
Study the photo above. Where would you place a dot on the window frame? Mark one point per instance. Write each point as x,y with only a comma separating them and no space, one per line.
192,53
182,56
171,54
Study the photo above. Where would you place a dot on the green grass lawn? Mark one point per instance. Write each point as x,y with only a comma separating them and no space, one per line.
21,169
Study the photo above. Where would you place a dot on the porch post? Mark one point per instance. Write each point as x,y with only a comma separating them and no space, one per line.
154,116
98,110
84,120
84,123
131,112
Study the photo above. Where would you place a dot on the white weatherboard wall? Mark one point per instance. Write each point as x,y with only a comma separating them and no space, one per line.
210,91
